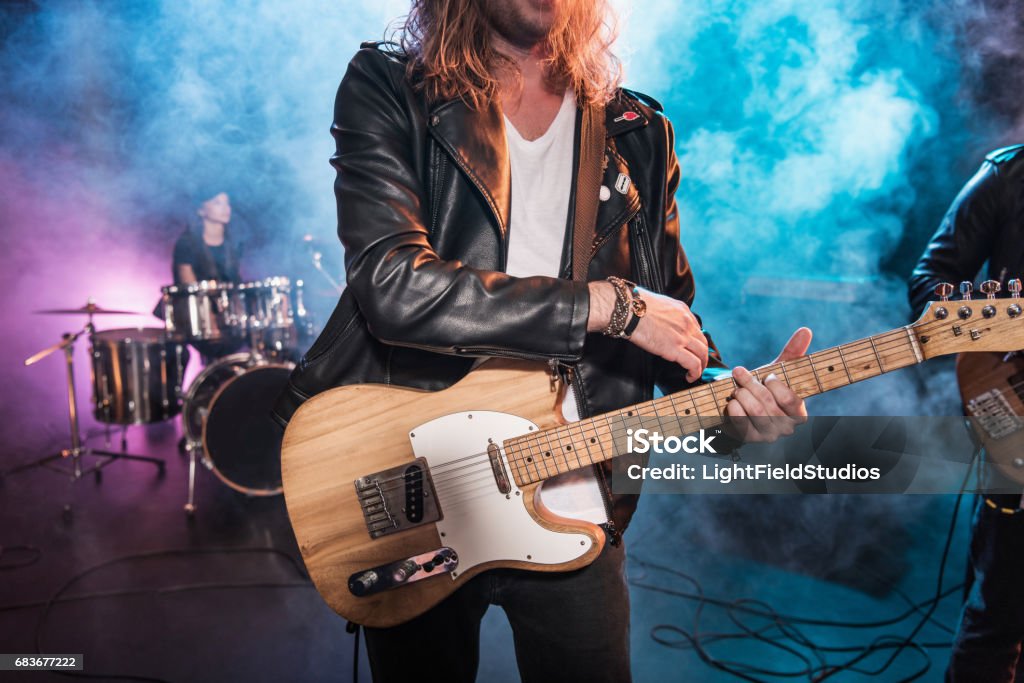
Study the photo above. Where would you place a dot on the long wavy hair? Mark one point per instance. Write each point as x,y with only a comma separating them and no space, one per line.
451,53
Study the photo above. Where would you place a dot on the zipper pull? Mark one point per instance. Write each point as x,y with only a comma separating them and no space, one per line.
555,376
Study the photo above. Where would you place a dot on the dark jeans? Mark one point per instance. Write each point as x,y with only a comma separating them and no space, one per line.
567,626
988,643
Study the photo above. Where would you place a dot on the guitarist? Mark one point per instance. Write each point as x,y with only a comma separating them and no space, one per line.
457,169
985,223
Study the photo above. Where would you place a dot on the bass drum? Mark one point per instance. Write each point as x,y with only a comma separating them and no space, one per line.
227,412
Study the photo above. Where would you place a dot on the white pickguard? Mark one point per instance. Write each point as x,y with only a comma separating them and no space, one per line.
480,523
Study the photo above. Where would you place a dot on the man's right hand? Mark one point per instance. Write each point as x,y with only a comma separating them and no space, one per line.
668,329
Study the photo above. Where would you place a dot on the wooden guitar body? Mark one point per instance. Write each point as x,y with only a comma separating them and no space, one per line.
991,386
390,427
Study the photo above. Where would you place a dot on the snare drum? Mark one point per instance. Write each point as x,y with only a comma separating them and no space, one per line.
280,325
204,311
268,304
227,411
136,375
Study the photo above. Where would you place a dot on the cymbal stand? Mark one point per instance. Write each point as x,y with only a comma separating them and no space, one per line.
77,450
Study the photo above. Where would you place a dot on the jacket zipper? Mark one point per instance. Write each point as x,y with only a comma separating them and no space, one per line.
644,253
438,181
503,353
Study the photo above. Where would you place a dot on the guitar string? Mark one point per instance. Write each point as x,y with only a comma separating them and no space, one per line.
531,443
901,340
616,432
801,376
484,472
896,337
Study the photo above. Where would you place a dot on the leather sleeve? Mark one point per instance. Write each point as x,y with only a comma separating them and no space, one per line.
677,276
408,295
963,240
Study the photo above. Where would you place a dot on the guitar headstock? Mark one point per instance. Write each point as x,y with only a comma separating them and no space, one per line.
970,324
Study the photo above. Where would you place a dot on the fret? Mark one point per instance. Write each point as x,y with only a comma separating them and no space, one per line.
544,454
878,359
680,428
824,365
515,459
856,370
600,440
785,375
714,395
586,443
565,448
814,373
842,360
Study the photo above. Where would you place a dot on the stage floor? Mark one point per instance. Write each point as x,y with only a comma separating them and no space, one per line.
148,592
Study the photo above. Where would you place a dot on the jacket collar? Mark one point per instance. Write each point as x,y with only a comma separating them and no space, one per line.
622,115
476,141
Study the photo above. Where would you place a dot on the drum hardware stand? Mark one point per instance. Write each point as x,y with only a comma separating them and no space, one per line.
124,434
318,264
77,450
191,447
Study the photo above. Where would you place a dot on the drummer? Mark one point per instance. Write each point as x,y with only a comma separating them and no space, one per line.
205,251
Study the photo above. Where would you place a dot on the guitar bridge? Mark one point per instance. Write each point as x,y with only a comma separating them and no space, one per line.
398,498
994,414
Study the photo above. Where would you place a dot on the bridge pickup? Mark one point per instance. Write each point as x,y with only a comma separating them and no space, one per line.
994,413
394,574
398,498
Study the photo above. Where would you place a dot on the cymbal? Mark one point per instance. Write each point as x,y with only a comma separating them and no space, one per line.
88,309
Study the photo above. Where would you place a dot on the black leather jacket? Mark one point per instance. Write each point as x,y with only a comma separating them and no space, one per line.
985,222
423,196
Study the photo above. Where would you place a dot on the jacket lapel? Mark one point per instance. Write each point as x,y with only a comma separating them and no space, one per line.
619,196
476,142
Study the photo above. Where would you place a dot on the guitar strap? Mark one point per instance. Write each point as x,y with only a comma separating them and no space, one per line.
588,187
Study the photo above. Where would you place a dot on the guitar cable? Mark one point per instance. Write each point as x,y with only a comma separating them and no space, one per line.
786,624
60,597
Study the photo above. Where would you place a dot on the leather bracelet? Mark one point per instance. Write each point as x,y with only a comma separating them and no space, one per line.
629,308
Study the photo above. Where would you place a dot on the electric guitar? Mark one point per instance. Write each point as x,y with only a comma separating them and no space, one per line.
398,497
992,391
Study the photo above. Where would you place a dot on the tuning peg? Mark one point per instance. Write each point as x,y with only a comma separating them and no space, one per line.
943,290
1013,286
991,288
966,287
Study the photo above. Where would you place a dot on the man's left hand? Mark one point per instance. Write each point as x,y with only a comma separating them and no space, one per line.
772,408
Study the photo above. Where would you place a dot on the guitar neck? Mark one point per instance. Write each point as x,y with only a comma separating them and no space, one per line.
548,453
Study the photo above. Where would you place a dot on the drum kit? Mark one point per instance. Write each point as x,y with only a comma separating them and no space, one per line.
138,373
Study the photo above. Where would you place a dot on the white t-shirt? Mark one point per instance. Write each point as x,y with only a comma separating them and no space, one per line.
541,186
